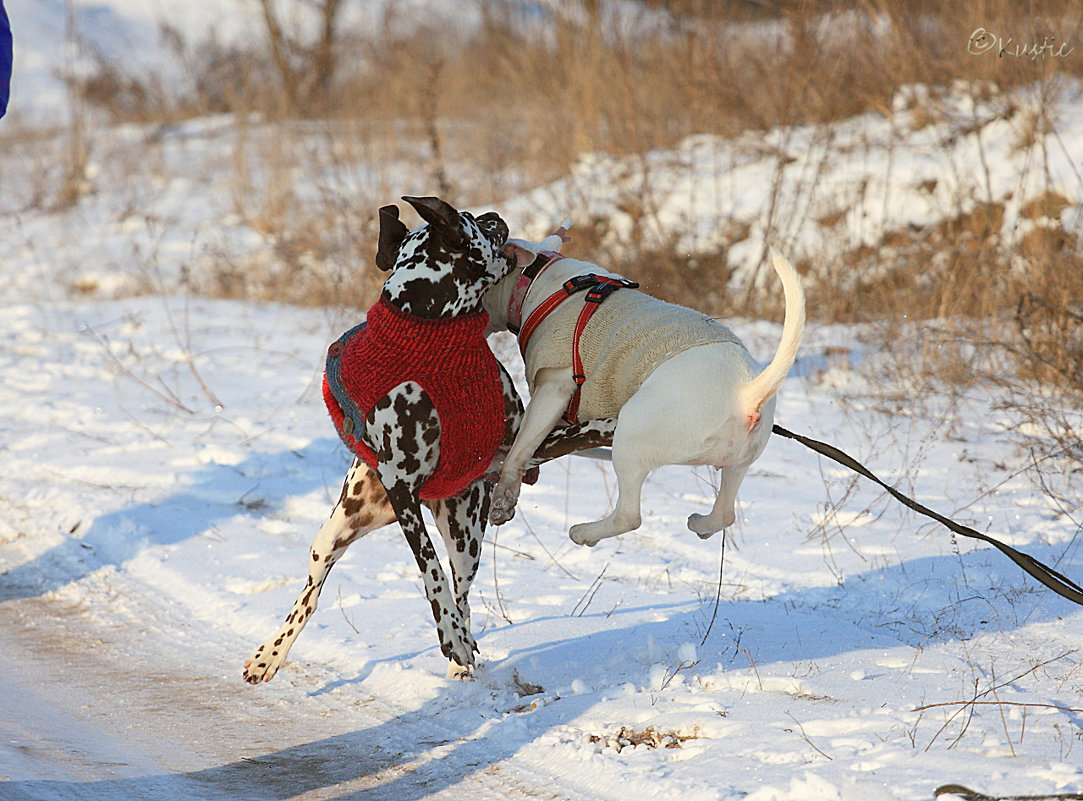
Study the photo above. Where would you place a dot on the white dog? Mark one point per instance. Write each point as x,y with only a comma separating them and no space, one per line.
681,386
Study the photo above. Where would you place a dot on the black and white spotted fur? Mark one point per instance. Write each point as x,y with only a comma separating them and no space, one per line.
441,269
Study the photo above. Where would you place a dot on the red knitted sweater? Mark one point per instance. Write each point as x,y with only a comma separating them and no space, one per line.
451,361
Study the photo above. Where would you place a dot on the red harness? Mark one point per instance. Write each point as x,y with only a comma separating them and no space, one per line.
599,287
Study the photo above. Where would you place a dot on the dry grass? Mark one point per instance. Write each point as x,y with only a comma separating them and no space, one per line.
632,83
516,101
652,737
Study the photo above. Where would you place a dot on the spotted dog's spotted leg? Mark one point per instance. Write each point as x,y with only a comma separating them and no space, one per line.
569,439
557,442
513,409
403,429
361,508
461,521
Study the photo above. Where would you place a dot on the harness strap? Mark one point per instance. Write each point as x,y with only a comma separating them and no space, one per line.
1058,583
600,287
603,289
547,306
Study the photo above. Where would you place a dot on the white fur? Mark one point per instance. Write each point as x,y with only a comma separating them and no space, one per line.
709,405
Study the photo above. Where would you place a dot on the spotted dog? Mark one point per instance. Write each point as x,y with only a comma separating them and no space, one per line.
438,273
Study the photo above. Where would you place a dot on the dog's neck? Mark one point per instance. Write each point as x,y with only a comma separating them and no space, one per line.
498,298
432,294
427,307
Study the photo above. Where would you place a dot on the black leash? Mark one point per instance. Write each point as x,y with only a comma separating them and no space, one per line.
1058,583
970,795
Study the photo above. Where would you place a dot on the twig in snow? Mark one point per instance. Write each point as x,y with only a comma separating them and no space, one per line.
342,609
1003,720
968,706
167,394
588,596
804,737
1023,704
552,559
718,592
187,348
496,587
671,676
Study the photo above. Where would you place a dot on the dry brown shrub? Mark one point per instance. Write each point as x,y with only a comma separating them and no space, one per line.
492,112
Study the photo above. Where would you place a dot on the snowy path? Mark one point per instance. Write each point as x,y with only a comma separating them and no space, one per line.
99,728
110,691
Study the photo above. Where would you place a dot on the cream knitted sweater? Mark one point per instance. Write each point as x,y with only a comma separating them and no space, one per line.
629,335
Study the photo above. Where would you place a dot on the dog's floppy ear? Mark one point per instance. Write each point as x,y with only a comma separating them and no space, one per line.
439,214
521,255
392,232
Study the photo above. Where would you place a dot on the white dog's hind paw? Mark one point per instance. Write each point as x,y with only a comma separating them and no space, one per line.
703,526
585,534
706,526
590,534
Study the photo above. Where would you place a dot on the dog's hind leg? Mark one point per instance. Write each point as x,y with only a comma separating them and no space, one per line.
582,436
361,508
625,517
722,514
651,431
461,522
634,456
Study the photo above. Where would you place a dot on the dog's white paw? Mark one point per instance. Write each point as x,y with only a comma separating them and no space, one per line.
585,534
501,512
704,526
502,508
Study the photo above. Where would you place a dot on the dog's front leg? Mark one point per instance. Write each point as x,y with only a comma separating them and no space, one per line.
553,388
513,416
461,522
403,430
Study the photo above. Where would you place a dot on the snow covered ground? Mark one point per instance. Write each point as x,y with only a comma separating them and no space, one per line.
167,459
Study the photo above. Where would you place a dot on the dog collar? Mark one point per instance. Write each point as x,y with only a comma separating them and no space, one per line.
522,287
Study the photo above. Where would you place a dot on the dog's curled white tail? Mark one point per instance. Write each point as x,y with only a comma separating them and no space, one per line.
766,384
